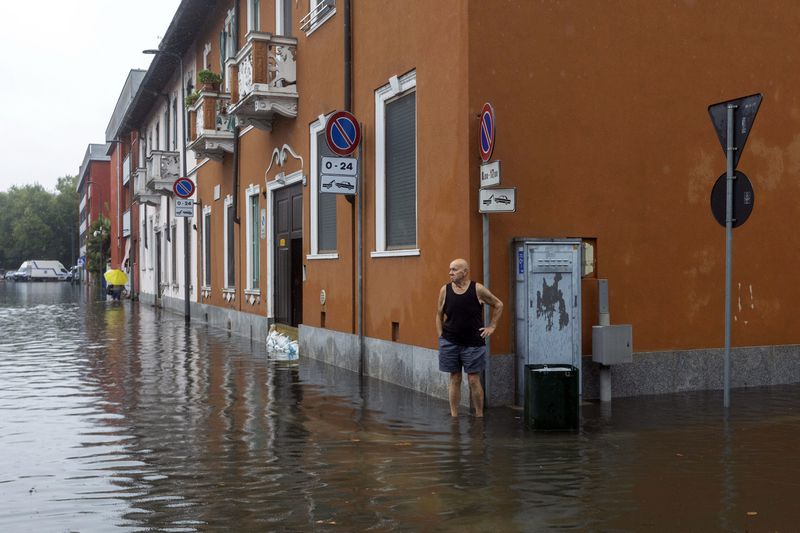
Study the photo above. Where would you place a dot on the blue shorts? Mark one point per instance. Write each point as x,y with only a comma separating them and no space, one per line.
452,357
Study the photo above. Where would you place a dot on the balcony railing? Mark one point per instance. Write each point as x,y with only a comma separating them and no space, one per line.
264,80
210,126
141,193
162,170
126,170
126,223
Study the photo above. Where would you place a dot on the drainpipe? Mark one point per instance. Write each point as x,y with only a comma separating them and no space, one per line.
236,12
358,201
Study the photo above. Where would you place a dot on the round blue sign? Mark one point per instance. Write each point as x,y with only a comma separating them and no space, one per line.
342,133
183,187
487,131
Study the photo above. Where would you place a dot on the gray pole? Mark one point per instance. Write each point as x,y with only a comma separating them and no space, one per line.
486,314
728,244
362,370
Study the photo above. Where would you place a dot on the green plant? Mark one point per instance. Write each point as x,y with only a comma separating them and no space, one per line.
191,99
208,77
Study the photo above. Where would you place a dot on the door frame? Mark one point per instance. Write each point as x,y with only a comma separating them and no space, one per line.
277,184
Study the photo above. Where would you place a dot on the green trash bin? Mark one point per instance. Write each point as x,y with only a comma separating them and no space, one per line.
551,397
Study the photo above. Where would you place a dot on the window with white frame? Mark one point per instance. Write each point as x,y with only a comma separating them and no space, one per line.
323,205
283,17
253,233
253,15
396,167
230,256
227,40
318,12
174,123
157,146
206,226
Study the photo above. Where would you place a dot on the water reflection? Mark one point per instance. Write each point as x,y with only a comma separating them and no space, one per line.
119,416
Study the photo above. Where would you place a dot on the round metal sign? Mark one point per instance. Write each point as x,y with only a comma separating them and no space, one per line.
486,133
342,133
183,187
743,199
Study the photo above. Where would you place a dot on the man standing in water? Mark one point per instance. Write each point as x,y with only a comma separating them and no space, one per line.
459,322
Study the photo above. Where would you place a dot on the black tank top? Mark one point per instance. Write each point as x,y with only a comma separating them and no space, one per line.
464,317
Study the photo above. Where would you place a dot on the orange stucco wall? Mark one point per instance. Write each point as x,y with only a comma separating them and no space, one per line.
602,126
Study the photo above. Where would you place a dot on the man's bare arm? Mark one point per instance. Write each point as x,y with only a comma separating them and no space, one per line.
440,310
486,297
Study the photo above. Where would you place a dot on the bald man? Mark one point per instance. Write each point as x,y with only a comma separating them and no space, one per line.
459,322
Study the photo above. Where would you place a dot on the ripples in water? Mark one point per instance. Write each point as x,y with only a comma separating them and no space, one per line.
118,417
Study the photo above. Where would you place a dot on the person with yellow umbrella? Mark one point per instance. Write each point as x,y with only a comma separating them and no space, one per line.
116,280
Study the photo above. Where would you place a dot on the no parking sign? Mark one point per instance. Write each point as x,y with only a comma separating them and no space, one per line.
342,133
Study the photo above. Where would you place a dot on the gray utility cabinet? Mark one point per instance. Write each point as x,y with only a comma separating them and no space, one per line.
547,304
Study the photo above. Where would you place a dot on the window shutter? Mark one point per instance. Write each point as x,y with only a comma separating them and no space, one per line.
326,219
401,172
231,249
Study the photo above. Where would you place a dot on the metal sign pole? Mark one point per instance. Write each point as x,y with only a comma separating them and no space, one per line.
487,380
728,245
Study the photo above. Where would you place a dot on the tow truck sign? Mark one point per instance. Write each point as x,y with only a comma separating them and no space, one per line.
497,200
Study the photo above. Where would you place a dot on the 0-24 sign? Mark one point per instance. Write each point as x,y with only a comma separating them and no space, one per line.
340,166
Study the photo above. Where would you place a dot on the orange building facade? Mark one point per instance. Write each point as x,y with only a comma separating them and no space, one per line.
602,130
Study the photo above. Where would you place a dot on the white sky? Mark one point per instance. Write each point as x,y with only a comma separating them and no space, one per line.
67,61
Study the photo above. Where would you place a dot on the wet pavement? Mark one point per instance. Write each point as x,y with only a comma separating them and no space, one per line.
117,417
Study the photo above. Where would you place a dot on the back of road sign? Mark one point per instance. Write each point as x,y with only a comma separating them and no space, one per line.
744,116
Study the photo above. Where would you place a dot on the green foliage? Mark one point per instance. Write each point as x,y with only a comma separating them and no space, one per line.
207,76
39,224
191,99
98,245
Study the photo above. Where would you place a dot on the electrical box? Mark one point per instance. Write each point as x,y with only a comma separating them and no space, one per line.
612,345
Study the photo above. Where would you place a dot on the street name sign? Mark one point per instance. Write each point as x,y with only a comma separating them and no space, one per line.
497,200
490,174
744,115
184,207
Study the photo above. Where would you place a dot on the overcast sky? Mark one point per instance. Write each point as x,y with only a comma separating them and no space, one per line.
67,61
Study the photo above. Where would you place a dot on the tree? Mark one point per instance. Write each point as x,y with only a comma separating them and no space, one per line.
38,224
98,245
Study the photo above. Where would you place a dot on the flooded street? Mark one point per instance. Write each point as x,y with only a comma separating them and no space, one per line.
118,417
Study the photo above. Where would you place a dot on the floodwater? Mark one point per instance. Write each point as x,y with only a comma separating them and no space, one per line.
117,417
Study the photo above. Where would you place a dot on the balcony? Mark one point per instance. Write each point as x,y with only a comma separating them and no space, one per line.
210,126
162,169
141,193
263,79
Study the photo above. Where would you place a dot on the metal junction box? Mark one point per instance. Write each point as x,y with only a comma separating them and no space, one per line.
612,345
547,304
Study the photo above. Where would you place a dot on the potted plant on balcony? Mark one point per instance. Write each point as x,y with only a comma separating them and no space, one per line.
209,80
191,99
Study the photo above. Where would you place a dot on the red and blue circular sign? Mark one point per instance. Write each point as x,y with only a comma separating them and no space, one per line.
486,134
183,187
342,133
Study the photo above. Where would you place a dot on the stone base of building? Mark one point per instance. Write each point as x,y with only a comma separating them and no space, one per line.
409,366
693,370
255,327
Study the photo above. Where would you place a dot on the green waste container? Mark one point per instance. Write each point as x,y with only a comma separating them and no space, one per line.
551,397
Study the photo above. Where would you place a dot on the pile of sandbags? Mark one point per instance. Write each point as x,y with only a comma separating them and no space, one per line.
281,347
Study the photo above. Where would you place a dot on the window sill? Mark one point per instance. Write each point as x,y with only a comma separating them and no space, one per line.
252,292
205,288
312,257
395,253
229,290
